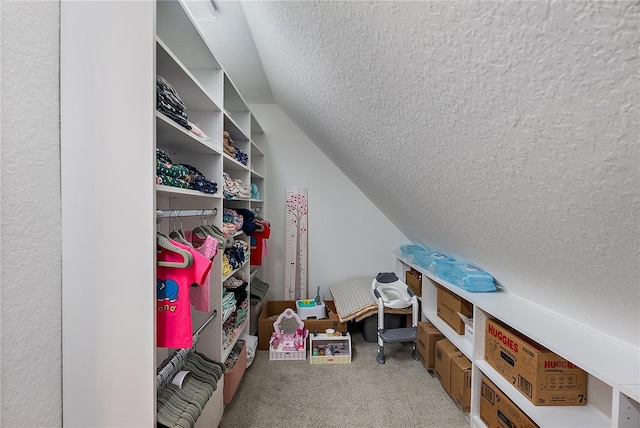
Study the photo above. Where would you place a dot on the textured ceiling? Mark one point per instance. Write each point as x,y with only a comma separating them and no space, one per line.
502,133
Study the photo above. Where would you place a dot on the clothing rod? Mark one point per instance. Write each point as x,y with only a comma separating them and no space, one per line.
186,213
173,365
204,325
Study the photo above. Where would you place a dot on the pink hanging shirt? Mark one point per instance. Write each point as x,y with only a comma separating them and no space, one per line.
173,319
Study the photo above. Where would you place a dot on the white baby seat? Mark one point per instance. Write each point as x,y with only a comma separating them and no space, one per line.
391,292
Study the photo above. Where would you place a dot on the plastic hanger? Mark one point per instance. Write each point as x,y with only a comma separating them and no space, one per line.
228,240
178,235
164,242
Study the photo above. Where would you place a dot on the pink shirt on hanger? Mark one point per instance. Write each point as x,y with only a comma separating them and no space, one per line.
173,320
200,296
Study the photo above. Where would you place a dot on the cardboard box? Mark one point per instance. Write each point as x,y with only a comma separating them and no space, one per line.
273,308
445,350
448,306
413,278
426,340
497,410
461,382
543,377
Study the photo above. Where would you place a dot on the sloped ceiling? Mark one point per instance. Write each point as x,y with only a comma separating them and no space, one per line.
501,133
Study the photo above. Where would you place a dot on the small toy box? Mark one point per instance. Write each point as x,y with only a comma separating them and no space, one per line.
330,349
289,339
310,309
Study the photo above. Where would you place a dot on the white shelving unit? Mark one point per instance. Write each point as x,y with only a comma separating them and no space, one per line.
214,104
110,54
613,368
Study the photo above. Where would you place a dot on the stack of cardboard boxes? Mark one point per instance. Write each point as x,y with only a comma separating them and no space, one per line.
543,377
451,367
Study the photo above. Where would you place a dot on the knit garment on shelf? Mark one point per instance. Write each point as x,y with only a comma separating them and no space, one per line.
169,174
199,181
169,103
255,193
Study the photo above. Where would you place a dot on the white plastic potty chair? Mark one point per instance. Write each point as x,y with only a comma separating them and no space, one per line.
390,292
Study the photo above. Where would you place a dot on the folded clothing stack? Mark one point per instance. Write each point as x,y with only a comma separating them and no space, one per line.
236,319
242,157
170,174
235,188
255,193
181,175
228,304
169,103
231,221
199,181
226,265
238,253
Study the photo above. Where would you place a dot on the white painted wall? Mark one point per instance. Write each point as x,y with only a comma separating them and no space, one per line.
108,213
30,260
348,235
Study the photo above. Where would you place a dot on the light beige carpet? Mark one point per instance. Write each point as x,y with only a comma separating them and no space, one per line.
399,393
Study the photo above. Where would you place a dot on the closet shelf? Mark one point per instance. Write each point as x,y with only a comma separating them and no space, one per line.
173,137
236,335
255,149
234,130
547,416
460,341
612,367
592,352
168,191
224,278
194,96
233,165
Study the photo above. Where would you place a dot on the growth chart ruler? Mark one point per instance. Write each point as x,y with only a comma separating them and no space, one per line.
295,252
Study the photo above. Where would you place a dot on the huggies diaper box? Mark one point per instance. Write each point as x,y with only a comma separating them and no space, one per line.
497,410
543,377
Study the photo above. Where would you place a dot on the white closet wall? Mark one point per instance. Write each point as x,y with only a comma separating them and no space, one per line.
108,218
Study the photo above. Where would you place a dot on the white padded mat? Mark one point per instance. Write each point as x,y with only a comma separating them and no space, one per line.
354,301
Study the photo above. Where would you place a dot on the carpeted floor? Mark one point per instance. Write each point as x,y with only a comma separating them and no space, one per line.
399,393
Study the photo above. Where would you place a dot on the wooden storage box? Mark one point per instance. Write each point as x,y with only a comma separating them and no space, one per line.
449,304
233,377
461,382
413,278
273,308
445,351
428,335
